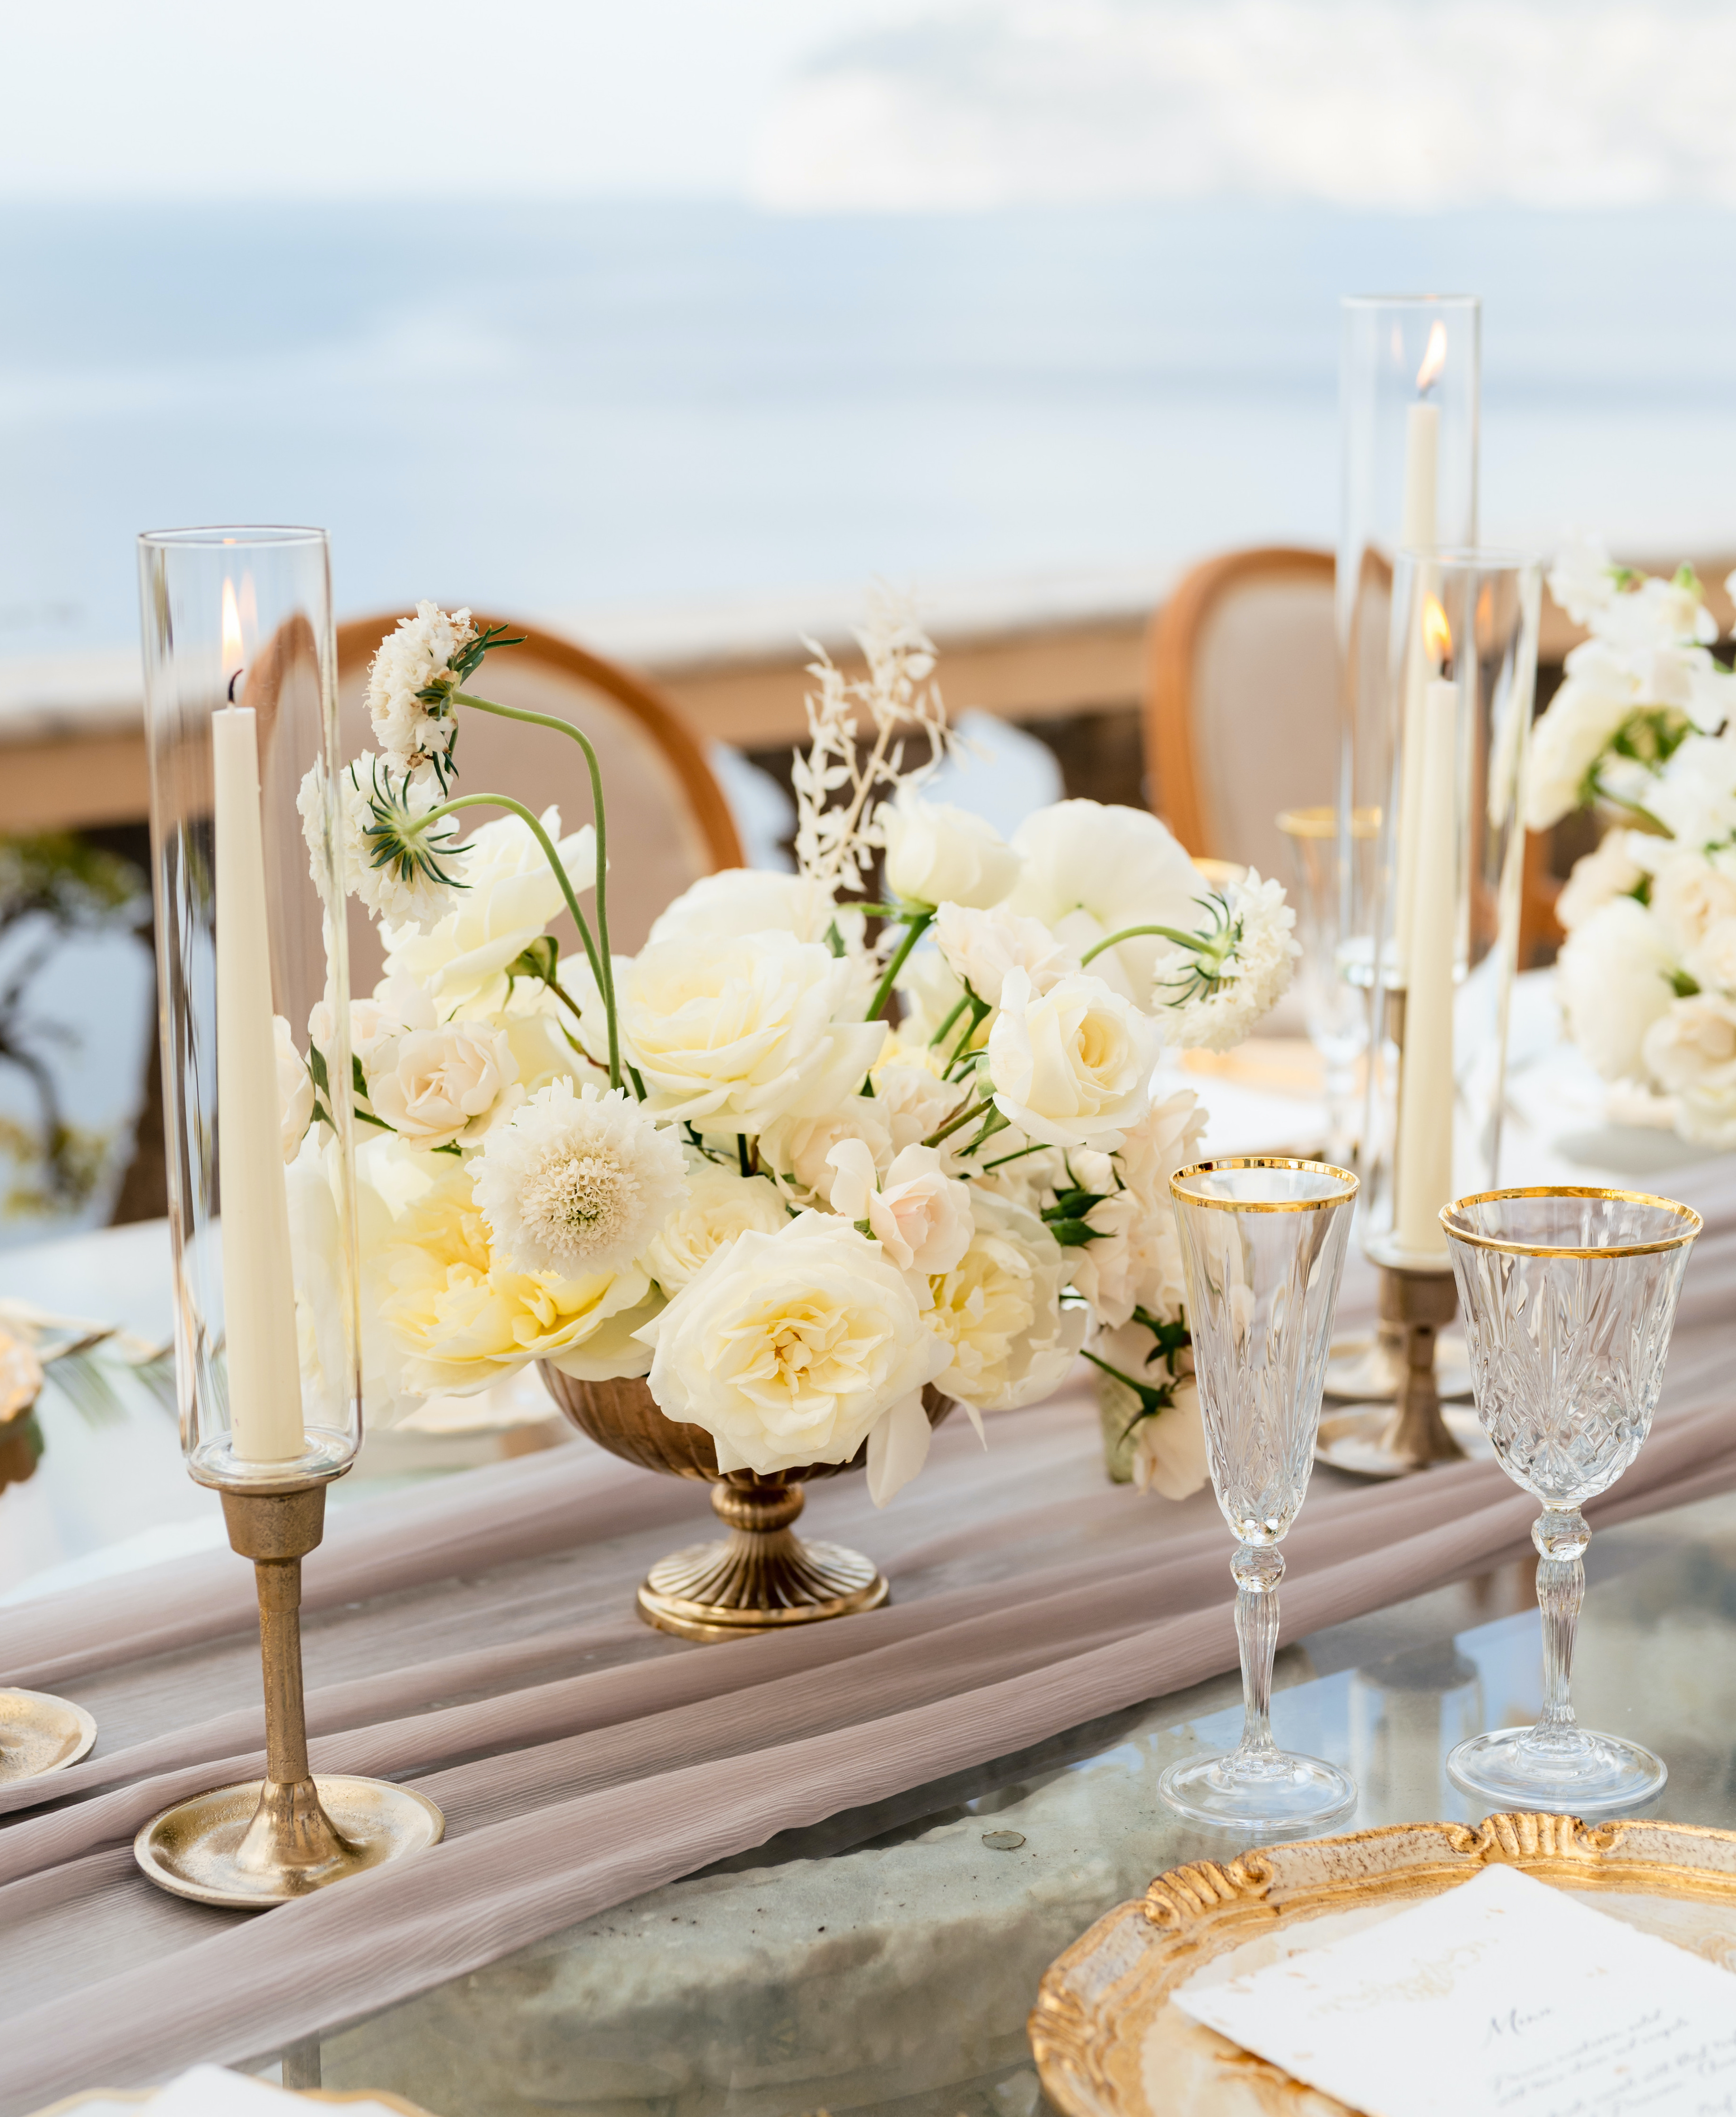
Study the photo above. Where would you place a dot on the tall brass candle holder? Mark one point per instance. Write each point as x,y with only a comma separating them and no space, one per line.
263,1842
240,718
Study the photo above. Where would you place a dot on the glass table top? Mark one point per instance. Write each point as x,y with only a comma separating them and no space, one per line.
885,1960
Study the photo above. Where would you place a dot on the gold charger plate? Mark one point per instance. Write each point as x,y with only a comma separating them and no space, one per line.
1109,2044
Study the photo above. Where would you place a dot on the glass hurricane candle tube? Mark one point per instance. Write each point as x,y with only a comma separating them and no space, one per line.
1263,1243
1334,1008
240,693
1569,1297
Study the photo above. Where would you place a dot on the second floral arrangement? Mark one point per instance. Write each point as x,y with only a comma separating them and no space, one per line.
827,1138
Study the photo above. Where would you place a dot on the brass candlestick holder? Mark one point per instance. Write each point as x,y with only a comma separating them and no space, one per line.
1377,1440
265,1841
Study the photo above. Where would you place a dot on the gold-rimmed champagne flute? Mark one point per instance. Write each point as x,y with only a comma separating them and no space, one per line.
1263,1243
1569,1297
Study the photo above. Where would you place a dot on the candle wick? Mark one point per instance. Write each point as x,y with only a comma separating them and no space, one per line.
234,681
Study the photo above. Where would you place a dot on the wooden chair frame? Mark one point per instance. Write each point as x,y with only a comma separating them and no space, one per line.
661,721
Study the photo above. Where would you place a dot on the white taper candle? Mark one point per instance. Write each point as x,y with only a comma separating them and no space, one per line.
1425,1082
258,1279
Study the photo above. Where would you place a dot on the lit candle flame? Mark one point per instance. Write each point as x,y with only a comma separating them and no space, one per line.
233,649
1434,358
1437,632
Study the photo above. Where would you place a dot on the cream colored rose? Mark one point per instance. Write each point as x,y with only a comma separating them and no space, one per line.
938,855
1169,1450
912,1099
1693,1044
791,1348
731,1035
1610,872
1093,869
436,1086
1571,734
999,1311
797,1149
740,901
982,947
720,1205
919,1216
1688,894
455,1317
1712,963
294,1089
1070,1067
1612,979
510,895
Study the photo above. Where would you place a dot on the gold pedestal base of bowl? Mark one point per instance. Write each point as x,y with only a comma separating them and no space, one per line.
39,1734
251,1846
762,1578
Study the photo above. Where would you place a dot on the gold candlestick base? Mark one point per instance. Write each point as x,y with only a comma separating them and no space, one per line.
268,1840
39,1734
1380,1439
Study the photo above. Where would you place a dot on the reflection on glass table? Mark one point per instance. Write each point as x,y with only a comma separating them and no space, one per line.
884,1961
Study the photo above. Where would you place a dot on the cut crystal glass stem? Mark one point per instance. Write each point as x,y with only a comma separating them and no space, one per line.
1257,1568
1561,1540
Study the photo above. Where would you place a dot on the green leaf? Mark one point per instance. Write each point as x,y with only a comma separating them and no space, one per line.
317,1067
1071,1234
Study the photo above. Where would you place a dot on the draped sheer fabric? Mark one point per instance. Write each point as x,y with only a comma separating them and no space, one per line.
477,1638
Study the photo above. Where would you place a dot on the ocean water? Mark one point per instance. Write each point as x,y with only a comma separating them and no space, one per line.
575,407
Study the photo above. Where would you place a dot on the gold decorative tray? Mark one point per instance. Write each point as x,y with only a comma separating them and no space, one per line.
1109,2044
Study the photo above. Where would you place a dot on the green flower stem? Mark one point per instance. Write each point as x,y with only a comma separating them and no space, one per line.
918,924
606,975
957,1120
939,1034
1196,942
518,808
1142,1391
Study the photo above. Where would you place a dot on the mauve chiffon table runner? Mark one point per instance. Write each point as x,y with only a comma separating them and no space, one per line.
477,1639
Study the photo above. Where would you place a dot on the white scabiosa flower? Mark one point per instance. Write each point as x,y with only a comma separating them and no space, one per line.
406,872
578,1184
1209,996
410,683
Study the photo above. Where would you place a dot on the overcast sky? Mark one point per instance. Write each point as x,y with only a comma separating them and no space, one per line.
903,105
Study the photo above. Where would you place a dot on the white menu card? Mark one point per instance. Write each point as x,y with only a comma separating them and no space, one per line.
1501,1996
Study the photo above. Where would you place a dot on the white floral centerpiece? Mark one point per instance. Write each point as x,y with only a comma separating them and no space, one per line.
806,1154
1643,733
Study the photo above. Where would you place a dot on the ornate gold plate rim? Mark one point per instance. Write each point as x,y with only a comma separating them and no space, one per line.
189,1846
1098,2001
87,2097
46,1719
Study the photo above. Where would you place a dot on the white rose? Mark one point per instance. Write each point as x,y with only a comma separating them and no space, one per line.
1105,1269
1170,1456
432,1086
1612,979
1171,1135
798,1150
919,1216
1092,869
740,901
938,855
1692,1045
1574,731
1688,896
294,1089
911,1098
731,1035
1695,797
721,1204
1582,580
398,1004
1011,1338
1611,871
1070,1067
510,895
982,947
1713,962
792,1348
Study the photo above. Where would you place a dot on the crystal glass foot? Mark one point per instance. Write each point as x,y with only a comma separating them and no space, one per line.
1263,1243
1569,1299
